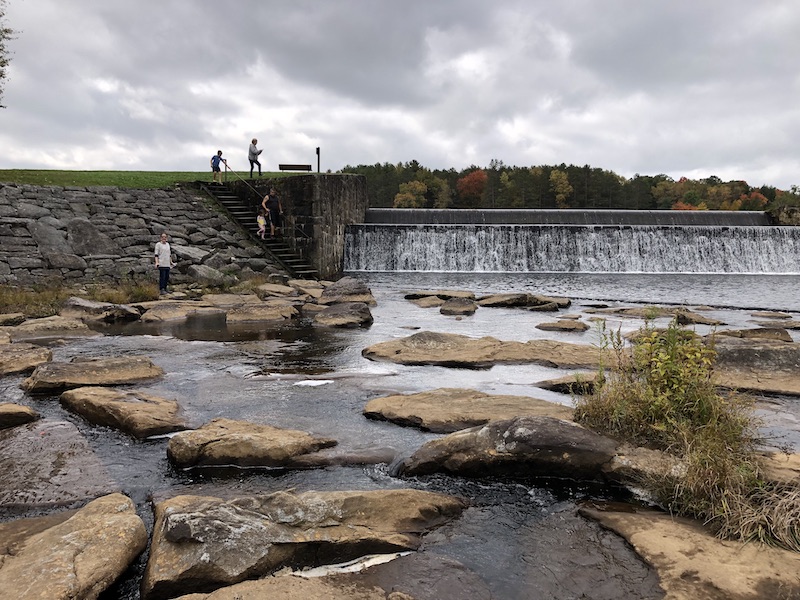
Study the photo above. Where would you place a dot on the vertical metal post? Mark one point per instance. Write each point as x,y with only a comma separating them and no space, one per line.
317,159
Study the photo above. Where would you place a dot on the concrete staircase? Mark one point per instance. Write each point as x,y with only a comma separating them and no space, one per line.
292,262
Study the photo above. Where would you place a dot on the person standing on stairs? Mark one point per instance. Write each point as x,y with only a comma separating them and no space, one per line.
272,204
215,170
252,156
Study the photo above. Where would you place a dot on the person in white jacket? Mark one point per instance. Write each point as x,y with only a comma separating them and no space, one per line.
164,262
252,156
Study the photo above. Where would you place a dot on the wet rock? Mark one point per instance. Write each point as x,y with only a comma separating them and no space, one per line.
446,410
347,289
22,357
684,316
539,300
49,463
691,563
202,543
135,412
103,312
14,415
441,294
453,350
345,314
168,310
504,300
523,446
79,372
48,327
766,333
263,311
770,314
563,325
229,442
78,557
547,307
428,301
759,365
458,306
577,383
791,325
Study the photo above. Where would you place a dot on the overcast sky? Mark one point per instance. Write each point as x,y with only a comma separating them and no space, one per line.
683,87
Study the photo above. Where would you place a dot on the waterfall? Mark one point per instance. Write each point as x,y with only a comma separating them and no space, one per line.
487,248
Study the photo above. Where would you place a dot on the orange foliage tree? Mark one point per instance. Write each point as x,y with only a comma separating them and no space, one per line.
471,188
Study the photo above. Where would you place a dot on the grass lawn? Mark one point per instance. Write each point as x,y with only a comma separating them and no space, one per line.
124,179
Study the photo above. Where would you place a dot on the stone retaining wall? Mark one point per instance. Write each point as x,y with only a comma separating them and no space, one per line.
107,234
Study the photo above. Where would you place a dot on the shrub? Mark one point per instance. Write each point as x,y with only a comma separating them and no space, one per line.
661,394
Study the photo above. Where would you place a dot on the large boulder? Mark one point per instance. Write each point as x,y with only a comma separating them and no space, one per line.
48,463
86,239
347,289
76,557
14,415
345,314
229,442
135,412
453,350
202,543
119,370
692,563
205,275
523,447
445,410
22,357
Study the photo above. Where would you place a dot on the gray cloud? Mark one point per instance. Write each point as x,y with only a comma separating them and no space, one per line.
680,88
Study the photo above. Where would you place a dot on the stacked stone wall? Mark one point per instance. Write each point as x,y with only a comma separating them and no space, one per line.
63,235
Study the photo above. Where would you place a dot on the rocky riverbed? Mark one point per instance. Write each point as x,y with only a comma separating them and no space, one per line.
310,436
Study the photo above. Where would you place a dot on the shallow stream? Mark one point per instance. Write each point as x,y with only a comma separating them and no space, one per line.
522,538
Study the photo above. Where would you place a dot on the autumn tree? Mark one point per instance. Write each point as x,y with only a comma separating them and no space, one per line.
560,186
411,195
6,34
471,188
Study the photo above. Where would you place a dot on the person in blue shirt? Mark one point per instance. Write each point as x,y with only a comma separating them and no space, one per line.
215,170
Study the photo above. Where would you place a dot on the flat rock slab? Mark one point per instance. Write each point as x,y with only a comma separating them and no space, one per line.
202,543
103,312
523,446
441,294
121,370
758,365
48,327
691,563
229,442
564,325
262,311
49,463
176,311
22,357
76,557
445,410
453,350
14,415
135,412
417,576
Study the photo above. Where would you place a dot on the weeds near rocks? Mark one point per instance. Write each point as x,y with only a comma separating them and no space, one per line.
33,303
661,394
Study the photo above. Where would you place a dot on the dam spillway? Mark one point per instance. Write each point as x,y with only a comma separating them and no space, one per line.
707,242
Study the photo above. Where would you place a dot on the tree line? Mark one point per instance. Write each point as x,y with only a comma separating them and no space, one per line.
411,185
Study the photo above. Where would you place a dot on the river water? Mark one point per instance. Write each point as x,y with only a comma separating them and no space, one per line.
522,538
